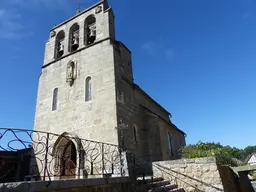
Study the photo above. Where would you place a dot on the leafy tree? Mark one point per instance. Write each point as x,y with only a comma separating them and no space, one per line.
225,155
249,150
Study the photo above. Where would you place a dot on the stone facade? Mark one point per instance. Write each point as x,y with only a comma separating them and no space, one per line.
200,174
138,110
95,119
115,98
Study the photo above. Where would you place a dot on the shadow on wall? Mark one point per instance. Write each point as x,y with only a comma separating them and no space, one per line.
14,165
229,179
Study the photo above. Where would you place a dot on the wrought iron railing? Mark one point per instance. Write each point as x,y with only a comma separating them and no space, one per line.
36,155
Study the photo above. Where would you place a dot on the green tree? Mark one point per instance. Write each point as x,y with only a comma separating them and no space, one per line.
249,150
225,155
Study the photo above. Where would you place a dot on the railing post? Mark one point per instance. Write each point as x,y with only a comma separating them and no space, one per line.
46,155
121,162
91,168
79,160
102,155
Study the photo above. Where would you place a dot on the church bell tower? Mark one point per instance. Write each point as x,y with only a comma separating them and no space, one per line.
77,86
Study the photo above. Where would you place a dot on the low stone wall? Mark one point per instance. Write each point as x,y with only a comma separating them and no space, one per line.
79,185
193,175
230,179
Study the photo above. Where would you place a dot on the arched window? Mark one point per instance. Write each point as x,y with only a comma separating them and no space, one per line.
169,143
74,38
90,30
55,99
88,89
59,44
135,134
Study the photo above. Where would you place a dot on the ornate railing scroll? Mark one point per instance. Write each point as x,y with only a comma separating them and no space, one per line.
49,156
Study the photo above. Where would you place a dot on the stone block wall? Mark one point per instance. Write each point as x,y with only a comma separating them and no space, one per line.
194,175
177,141
79,185
94,119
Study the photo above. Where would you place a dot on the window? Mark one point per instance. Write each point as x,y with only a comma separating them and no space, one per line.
135,134
120,96
90,30
59,44
55,99
88,89
169,143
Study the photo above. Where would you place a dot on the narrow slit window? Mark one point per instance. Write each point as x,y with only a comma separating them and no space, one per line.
169,143
88,89
55,99
135,134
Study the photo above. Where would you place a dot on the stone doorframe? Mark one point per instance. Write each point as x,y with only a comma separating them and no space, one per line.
58,153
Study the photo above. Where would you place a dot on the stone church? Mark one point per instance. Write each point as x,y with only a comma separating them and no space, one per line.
86,89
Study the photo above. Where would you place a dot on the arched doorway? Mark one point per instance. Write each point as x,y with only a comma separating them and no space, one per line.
68,161
67,157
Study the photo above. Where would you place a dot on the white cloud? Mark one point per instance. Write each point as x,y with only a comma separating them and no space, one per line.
149,47
246,15
158,48
169,54
11,26
12,35
38,3
2,12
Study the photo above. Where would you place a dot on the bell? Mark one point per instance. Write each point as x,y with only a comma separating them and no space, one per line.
92,35
61,48
75,43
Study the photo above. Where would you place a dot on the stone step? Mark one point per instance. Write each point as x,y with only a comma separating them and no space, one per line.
156,186
177,190
164,188
159,184
149,180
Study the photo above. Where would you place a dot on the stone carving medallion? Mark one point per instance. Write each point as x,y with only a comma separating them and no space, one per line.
98,9
52,33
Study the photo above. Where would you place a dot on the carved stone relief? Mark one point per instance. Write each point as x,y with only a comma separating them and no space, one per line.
71,73
52,33
98,9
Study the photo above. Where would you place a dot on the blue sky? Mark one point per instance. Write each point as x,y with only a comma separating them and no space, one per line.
196,58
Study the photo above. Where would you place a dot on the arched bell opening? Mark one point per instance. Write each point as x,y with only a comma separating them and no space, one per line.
74,38
90,30
59,44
